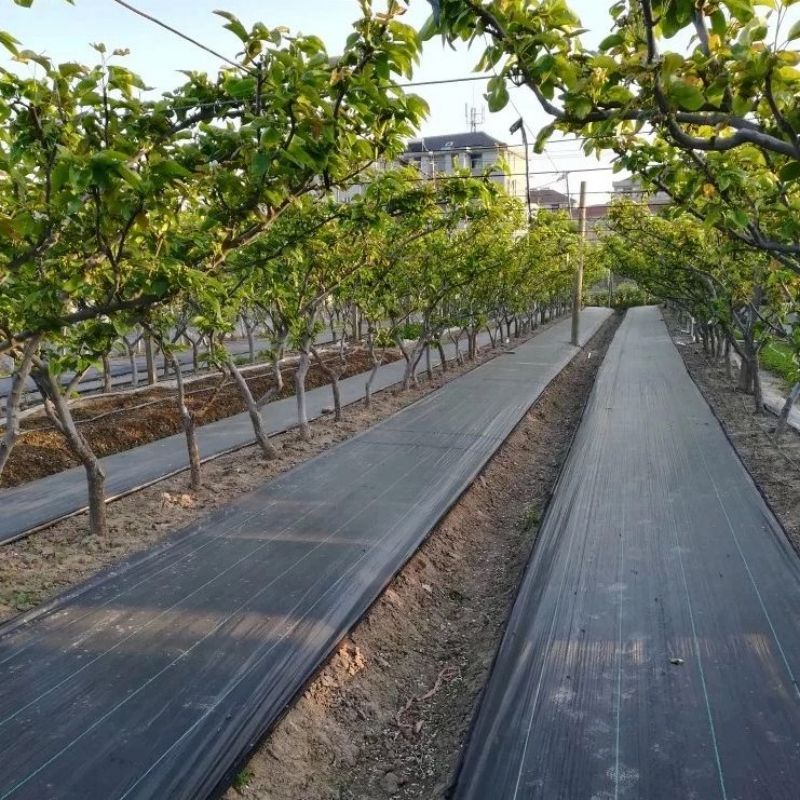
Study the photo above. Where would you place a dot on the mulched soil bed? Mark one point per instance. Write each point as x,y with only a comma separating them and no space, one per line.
123,423
388,714
775,466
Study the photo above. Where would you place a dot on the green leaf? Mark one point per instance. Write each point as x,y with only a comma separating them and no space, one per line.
581,107
614,40
741,9
794,32
429,29
260,164
718,23
497,96
240,88
9,42
790,172
541,140
686,95
234,25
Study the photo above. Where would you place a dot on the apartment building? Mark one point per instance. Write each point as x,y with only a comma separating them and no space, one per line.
475,151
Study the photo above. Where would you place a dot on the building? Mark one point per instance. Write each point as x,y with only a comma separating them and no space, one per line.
632,189
552,200
475,151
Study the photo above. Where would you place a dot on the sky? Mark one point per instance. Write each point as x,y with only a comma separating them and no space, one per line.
64,32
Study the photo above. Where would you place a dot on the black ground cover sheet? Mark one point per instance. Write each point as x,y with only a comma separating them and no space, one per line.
156,679
654,647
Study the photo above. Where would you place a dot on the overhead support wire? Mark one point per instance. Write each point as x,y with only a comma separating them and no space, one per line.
182,35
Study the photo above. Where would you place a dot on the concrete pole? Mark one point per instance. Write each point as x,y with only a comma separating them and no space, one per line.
577,290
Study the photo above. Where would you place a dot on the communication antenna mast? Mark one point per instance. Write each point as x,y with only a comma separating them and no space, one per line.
474,117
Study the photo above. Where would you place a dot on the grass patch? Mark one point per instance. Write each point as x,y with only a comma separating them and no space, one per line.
530,519
22,601
778,358
242,779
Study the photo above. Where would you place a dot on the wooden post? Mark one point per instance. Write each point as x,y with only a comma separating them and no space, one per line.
577,290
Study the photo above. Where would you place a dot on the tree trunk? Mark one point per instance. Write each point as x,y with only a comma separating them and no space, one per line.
106,374
333,376
251,344
745,380
491,335
442,356
189,428
14,399
758,393
410,375
428,365
58,411
300,385
728,368
277,373
783,417
267,448
131,348
150,361
376,362
456,342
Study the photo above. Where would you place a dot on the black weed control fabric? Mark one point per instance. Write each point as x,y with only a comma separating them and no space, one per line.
30,505
654,646
157,679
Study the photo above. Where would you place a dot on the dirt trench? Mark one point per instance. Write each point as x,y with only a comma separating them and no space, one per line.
388,715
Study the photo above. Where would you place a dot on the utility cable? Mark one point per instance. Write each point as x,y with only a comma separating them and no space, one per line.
184,36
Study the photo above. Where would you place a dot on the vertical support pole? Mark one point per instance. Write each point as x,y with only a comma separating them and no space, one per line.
577,290
527,174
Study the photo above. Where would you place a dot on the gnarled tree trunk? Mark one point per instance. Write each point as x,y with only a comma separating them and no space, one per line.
267,448
300,386
59,413
189,428
376,362
14,399
107,385
333,376
783,417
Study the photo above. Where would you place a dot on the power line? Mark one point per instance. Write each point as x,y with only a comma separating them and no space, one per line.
465,149
184,36
498,174
444,80
196,43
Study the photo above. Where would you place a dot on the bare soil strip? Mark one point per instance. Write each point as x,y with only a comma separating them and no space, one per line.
387,716
123,421
775,466
37,568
